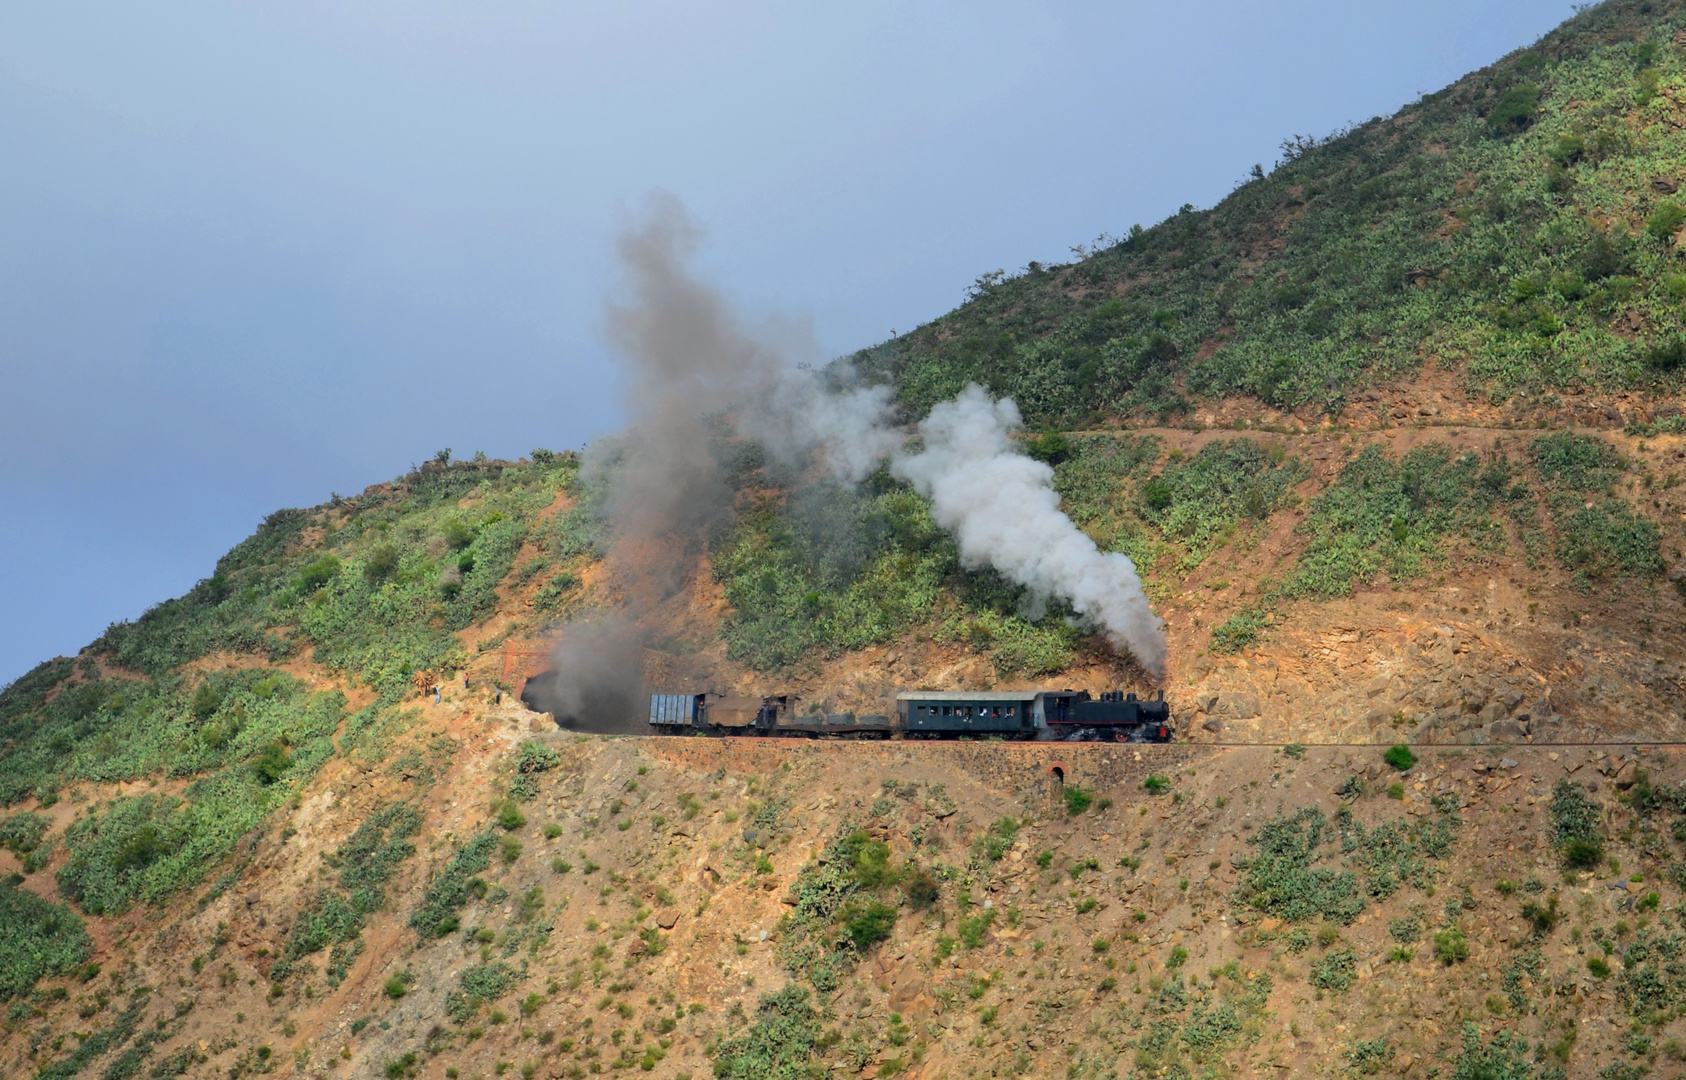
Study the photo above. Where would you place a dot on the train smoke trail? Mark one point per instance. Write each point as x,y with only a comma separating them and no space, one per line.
1003,511
688,363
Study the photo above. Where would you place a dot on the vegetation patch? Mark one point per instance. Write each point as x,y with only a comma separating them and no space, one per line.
452,888
368,859
1282,882
1506,1056
1179,1030
22,833
843,907
1198,502
1474,223
41,938
777,1044
483,983
1575,824
1608,540
1396,852
149,847
1334,970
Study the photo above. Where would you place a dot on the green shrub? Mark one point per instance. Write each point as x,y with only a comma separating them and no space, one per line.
1050,447
1450,946
317,574
869,923
1400,757
1668,356
40,939
1514,111
509,816
22,833
972,930
206,701
1579,854
457,533
1239,630
1370,1056
1666,219
536,757
1076,799
1543,918
381,563
272,763
1334,970
868,860
1575,820
920,887
488,982
998,839
1157,784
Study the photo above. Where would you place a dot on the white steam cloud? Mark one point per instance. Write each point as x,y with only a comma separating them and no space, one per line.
1003,511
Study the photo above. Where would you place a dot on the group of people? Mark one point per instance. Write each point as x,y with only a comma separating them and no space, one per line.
497,693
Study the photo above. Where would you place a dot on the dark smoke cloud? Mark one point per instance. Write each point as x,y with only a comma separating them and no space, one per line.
598,680
685,360
686,364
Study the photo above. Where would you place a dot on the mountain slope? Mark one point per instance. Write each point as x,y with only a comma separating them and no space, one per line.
1519,226
1393,435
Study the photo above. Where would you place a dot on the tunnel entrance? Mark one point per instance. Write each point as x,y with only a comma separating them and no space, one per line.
598,709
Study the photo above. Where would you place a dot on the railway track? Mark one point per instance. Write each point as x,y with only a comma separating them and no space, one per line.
1637,744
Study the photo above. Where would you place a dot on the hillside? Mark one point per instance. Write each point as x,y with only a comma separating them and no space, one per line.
1520,227
1394,435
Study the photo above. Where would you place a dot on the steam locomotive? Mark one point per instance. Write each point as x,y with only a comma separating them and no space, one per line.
1052,715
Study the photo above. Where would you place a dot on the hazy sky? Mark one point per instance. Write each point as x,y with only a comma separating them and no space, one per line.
252,253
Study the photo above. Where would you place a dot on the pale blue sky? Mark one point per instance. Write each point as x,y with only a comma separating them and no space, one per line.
251,253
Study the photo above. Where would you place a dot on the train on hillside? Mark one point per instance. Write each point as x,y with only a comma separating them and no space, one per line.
1052,715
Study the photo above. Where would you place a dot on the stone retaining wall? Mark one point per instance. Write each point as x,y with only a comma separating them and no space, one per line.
1005,766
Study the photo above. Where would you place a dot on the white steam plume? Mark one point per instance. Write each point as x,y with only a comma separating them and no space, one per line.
1003,511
